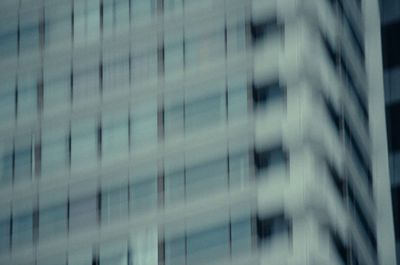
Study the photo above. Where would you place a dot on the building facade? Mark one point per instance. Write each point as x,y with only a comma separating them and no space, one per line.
390,18
146,132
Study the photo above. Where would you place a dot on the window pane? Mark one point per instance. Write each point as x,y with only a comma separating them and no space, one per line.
8,46
174,187
143,195
241,239
173,5
57,89
29,38
206,178
173,58
22,230
23,164
4,236
175,251
83,144
114,253
142,9
27,99
144,66
7,103
115,136
204,48
173,121
116,75
236,38
144,129
208,245
54,153
238,170
6,168
85,84
114,204
80,257
204,112
145,247
237,97
53,221
83,213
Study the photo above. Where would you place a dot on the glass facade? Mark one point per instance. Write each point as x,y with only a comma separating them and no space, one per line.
147,132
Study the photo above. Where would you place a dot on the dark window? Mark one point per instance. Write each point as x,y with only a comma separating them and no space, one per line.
267,92
337,180
267,227
393,126
390,45
342,250
259,30
270,157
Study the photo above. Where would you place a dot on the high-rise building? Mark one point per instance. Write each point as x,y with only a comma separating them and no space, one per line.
390,18
189,132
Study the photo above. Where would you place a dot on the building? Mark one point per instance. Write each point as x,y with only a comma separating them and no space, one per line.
390,18
192,132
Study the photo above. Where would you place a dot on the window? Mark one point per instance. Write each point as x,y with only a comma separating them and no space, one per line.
4,235
53,221
144,132
175,251
115,15
27,96
237,97
7,103
8,40
209,245
22,230
261,29
83,144
6,167
144,245
143,195
273,157
29,37
56,88
269,227
114,204
173,5
202,49
114,253
142,9
173,119
144,66
58,26
238,169
174,187
54,156
207,177
85,84
83,213
115,136
241,237
267,93
81,256
23,164
173,58
236,38
86,19
204,112
116,75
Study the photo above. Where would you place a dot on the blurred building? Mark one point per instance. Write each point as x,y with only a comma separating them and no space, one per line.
146,132
390,18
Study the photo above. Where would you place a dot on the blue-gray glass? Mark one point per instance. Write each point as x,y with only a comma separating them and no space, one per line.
29,38
175,251
83,213
114,204
208,177
53,221
174,187
8,43
208,245
143,195
22,230
23,164
4,235
6,169
241,237
204,112
7,106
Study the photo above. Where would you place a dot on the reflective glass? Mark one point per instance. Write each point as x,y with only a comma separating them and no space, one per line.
4,235
27,96
204,48
23,164
142,9
54,152
174,187
206,178
83,213
241,239
115,136
175,251
143,195
144,129
6,168
83,144
238,170
53,221
22,230
114,204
